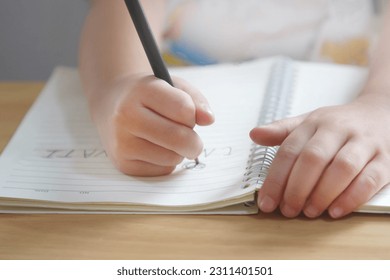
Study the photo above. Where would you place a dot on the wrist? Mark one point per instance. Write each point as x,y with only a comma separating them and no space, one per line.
376,96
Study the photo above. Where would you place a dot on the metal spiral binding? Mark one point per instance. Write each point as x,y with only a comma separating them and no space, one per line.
276,105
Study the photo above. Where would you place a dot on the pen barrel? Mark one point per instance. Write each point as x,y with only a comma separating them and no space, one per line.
148,42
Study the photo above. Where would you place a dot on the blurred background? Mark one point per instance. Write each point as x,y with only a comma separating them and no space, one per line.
37,35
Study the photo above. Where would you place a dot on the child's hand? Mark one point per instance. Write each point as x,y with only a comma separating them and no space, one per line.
146,125
333,158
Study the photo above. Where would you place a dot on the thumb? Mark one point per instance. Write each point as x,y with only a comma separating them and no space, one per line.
203,112
273,134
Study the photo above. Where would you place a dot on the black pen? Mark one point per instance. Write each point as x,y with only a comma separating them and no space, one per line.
149,44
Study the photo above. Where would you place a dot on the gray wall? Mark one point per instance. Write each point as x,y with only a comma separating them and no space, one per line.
37,35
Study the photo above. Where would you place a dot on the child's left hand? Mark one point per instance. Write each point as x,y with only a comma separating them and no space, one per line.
333,158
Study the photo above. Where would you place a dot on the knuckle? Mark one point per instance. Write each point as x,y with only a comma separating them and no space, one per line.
347,164
371,183
354,133
295,198
316,116
288,152
177,134
274,184
124,117
185,107
313,155
184,141
118,116
173,159
133,122
362,189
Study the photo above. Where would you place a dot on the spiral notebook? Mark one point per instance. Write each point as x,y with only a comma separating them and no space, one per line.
55,163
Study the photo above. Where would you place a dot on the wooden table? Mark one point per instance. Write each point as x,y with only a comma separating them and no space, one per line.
359,236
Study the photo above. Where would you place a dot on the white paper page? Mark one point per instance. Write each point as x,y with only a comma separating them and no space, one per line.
319,85
56,154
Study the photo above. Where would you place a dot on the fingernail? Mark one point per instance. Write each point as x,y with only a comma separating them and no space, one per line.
207,109
288,211
267,204
311,211
336,212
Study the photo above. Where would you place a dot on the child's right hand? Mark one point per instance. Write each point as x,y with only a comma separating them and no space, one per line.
146,125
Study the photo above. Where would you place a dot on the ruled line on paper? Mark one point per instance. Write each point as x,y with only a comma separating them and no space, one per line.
65,155
130,189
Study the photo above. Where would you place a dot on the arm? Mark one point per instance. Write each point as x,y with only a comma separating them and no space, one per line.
110,48
145,125
334,158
